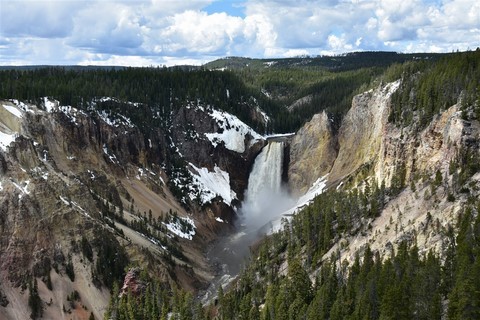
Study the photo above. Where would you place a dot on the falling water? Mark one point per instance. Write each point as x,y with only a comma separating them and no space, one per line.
264,200
265,197
266,175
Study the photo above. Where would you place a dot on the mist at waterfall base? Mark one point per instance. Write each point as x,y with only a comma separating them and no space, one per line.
257,214
265,200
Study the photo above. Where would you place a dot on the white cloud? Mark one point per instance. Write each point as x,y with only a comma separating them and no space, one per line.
198,32
108,28
147,32
45,19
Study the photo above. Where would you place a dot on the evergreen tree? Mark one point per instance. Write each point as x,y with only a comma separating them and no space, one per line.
34,301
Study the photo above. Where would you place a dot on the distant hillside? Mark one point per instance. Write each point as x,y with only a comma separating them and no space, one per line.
349,61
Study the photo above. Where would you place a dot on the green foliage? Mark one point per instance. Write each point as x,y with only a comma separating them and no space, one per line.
111,260
404,286
34,301
428,88
157,301
69,270
156,92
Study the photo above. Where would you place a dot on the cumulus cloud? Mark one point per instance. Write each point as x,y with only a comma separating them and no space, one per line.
45,19
155,32
108,28
197,32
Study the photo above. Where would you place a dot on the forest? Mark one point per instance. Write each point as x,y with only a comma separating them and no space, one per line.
330,82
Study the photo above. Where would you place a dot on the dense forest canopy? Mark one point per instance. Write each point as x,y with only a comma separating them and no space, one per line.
159,90
329,83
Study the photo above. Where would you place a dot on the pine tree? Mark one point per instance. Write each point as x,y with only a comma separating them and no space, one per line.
34,301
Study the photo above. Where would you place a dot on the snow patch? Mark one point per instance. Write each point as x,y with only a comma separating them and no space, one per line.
76,206
317,188
65,201
219,219
92,175
21,105
212,184
265,117
6,139
112,157
234,131
115,119
49,104
39,171
182,227
70,112
82,211
13,110
266,93
23,189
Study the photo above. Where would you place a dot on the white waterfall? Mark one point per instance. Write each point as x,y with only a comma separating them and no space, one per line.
265,201
265,197
267,171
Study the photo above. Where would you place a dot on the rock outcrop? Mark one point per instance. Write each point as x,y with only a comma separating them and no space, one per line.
313,151
371,150
362,131
317,151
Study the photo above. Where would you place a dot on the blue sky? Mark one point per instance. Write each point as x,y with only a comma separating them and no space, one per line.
169,32
232,8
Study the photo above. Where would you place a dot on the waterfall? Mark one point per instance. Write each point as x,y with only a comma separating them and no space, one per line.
264,195
265,201
266,174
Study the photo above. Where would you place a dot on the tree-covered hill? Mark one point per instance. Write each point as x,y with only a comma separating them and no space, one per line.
329,82
159,91
308,85
344,62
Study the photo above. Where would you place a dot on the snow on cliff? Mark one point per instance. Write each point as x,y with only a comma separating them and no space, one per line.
13,110
233,131
317,188
183,227
212,184
5,140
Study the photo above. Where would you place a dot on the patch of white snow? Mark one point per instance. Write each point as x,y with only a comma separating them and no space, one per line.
49,104
234,131
92,175
212,184
65,201
6,140
182,227
317,188
13,110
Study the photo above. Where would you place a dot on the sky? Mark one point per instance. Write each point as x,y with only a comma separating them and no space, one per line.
173,32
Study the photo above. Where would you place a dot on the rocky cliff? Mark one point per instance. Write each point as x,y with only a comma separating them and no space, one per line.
313,151
85,193
369,150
